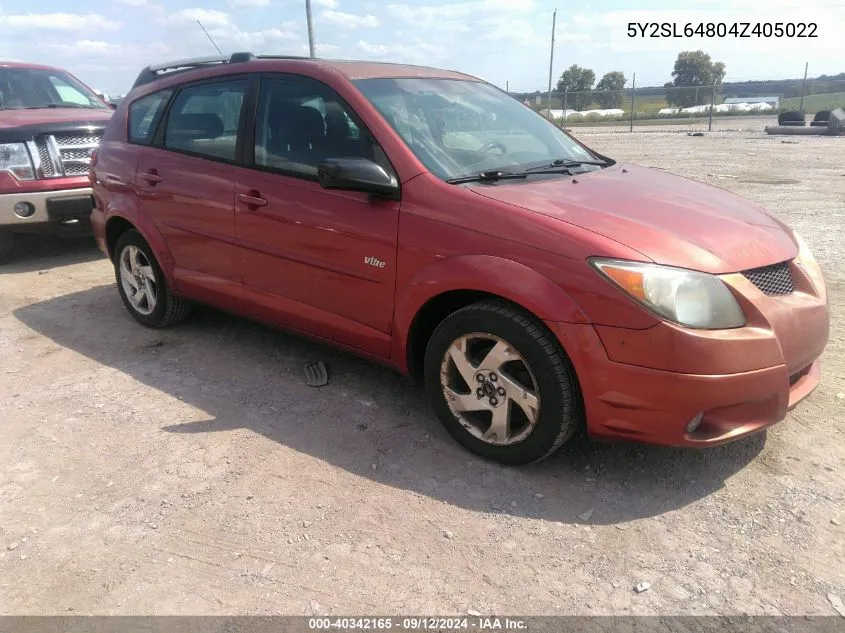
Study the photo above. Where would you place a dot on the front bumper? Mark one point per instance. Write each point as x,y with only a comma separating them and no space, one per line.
61,211
647,385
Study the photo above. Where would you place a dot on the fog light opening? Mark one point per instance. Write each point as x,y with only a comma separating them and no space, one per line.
24,209
692,425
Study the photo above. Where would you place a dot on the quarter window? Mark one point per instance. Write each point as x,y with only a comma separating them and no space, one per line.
204,119
300,123
144,115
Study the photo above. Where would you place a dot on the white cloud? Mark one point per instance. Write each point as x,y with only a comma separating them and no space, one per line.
248,4
209,17
233,38
434,16
59,22
323,50
579,19
329,4
350,20
115,52
415,52
375,49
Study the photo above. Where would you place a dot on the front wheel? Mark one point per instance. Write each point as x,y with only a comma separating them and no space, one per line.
501,384
142,286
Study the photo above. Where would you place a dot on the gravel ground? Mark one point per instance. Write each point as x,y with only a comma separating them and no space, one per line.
191,471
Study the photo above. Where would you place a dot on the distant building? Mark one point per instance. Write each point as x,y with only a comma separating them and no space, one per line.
772,101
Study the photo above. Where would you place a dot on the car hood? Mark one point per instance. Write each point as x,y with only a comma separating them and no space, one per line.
24,118
669,219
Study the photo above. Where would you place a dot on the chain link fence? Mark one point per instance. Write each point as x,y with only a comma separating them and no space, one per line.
700,107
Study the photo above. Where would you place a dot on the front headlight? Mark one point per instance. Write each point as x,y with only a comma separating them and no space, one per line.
15,159
686,297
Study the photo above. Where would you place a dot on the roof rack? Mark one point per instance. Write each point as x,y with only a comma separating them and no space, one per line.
151,73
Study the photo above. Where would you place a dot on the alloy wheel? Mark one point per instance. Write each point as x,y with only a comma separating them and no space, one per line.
138,280
490,388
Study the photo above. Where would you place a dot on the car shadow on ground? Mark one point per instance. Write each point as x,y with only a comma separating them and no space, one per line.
370,421
36,252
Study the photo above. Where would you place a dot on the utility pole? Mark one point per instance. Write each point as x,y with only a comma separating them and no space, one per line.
633,90
310,28
551,62
804,87
507,86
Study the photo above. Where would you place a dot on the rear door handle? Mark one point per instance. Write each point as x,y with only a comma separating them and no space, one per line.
152,177
252,200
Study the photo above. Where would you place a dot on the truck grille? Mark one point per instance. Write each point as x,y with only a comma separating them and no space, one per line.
66,154
772,280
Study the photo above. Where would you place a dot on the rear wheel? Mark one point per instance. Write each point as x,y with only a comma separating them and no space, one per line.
142,285
501,385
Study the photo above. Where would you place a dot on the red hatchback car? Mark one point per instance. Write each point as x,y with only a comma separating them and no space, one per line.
428,221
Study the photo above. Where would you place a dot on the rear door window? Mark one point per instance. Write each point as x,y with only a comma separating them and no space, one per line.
204,119
144,115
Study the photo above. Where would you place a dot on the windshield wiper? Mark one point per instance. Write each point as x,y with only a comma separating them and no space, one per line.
563,163
486,176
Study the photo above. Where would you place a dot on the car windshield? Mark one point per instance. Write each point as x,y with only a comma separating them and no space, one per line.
43,88
460,128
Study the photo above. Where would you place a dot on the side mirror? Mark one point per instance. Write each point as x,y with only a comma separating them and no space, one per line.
357,174
112,105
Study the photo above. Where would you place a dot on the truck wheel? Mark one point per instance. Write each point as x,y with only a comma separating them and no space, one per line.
142,285
7,246
501,384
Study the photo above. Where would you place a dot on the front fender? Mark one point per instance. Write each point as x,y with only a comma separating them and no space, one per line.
498,276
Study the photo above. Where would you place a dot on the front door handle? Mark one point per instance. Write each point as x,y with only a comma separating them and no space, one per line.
252,200
152,177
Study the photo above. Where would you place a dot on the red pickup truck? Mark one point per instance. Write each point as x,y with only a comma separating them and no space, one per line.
50,123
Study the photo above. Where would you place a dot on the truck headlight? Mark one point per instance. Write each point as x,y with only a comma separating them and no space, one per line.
686,297
15,159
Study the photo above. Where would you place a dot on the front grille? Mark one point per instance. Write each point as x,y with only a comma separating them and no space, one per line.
47,167
66,154
774,280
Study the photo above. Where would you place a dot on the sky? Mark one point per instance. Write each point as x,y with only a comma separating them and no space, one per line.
506,42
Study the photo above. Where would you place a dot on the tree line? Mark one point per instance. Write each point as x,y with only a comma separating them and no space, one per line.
692,68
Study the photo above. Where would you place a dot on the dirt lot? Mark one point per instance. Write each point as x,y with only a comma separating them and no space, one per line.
191,470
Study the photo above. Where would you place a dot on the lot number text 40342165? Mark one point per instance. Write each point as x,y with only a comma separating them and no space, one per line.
723,29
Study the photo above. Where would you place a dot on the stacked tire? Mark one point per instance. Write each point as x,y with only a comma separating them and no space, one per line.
792,118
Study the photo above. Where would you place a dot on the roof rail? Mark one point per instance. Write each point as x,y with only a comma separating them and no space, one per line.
151,73
284,57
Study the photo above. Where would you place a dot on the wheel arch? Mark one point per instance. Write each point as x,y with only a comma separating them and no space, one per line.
450,284
117,223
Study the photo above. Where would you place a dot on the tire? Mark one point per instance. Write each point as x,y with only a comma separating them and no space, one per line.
543,371
165,309
7,246
791,117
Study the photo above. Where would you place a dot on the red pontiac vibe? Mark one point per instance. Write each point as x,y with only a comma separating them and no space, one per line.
50,122
426,220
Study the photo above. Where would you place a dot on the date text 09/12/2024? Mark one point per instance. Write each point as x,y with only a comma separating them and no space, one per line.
478,623
724,29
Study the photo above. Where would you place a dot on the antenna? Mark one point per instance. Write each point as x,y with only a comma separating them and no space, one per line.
209,38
